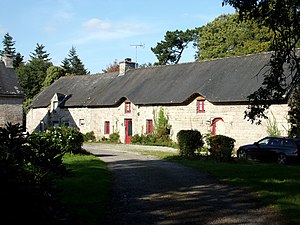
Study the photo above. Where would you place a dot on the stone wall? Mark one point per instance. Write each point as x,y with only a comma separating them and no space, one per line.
232,124
11,110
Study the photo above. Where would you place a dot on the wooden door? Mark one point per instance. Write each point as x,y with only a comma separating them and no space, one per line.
128,131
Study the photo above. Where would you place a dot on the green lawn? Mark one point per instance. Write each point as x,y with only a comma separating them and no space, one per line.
86,192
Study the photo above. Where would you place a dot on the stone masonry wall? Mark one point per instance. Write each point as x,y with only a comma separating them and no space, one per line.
11,110
233,123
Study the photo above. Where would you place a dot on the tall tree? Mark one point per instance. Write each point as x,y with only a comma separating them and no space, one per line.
10,50
282,17
169,51
8,46
73,64
226,36
40,53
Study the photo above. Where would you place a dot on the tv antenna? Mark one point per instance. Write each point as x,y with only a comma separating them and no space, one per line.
136,47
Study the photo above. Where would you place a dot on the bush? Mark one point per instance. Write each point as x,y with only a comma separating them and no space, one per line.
114,138
29,164
66,138
189,141
220,147
89,136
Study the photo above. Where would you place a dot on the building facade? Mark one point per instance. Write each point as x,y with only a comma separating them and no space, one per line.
11,95
209,96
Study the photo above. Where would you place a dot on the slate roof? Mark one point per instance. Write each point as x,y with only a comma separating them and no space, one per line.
219,81
9,85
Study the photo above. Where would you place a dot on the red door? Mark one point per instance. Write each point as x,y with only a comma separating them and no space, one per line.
214,125
128,131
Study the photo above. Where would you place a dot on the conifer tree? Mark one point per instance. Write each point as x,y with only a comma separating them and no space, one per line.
10,51
40,53
8,46
73,65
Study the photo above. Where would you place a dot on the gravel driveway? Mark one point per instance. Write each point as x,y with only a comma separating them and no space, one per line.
147,190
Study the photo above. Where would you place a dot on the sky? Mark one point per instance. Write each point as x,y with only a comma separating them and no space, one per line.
102,31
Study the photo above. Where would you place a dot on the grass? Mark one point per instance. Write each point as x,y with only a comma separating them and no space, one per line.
86,192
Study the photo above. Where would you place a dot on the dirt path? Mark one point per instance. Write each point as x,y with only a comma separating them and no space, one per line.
147,190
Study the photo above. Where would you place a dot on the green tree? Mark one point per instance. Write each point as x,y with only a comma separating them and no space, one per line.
32,75
282,17
52,74
40,53
169,51
10,50
226,36
73,64
8,46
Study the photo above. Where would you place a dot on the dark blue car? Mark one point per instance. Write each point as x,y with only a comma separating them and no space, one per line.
277,149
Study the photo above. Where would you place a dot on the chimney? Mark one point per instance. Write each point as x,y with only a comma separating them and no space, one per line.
126,65
8,61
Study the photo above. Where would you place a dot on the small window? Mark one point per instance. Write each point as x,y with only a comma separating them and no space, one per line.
127,107
149,126
106,127
81,122
200,106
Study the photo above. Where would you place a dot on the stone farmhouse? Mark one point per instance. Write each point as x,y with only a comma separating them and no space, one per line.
210,96
11,95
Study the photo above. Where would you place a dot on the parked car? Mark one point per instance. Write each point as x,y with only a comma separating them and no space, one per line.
276,149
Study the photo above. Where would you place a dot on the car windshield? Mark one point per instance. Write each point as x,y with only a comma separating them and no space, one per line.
264,141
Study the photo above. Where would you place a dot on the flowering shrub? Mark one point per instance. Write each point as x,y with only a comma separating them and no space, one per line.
66,138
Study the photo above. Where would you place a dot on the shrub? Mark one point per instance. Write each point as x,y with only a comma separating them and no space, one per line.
66,138
114,138
220,147
89,136
189,141
29,164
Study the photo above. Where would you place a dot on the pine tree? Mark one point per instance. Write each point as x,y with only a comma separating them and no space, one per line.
10,51
40,53
8,46
73,65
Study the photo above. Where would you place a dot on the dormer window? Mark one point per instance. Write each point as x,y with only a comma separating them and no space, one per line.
127,107
200,106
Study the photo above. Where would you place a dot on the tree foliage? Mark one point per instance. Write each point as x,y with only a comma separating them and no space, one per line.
169,51
282,18
53,73
73,64
8,46
32,75
40,53
226,36
10,51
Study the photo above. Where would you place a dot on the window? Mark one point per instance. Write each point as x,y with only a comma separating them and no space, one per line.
81,122
106,127
200,106
149,126
127,107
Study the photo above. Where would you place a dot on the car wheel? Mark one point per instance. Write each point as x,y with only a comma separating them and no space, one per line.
242,154
281,159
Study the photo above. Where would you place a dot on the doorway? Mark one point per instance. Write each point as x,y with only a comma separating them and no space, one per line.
128,131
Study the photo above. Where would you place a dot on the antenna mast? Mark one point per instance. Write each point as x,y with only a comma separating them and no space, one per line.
136,47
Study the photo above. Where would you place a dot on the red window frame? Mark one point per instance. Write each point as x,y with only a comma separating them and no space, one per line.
200,106
127,107
149,126
106,127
